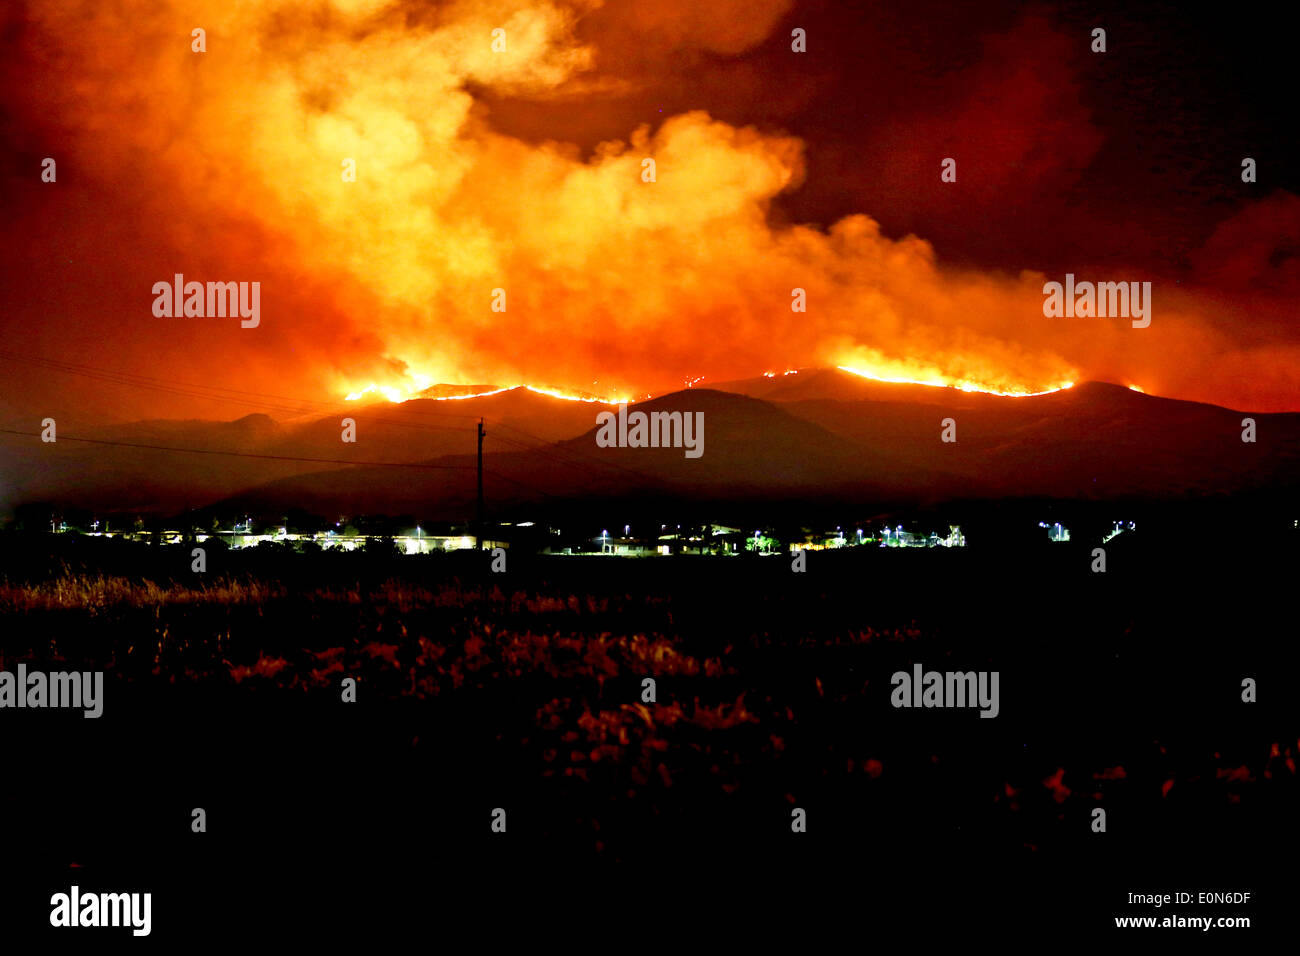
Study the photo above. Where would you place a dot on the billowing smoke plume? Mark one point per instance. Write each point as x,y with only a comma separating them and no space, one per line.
228,165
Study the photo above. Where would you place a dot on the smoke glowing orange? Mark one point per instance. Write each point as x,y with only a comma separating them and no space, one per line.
399,395
475,255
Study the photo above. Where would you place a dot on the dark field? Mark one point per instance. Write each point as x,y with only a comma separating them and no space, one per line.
522,691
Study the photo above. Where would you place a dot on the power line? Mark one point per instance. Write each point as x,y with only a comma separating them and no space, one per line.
333,461
199,391
544,447
553,450
242,454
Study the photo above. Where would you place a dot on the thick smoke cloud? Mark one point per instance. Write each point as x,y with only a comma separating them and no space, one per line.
226,165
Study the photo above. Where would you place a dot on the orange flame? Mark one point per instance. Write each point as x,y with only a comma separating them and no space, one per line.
964,385
399,394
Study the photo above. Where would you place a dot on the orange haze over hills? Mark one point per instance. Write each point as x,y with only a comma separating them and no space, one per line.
227,165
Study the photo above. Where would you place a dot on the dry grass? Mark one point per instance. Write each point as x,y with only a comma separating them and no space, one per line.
101,592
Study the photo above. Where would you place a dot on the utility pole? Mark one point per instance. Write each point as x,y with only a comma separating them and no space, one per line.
478,533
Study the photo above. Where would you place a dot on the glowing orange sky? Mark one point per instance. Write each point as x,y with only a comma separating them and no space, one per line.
226,165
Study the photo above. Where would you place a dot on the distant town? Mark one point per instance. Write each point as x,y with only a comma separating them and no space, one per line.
310,534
